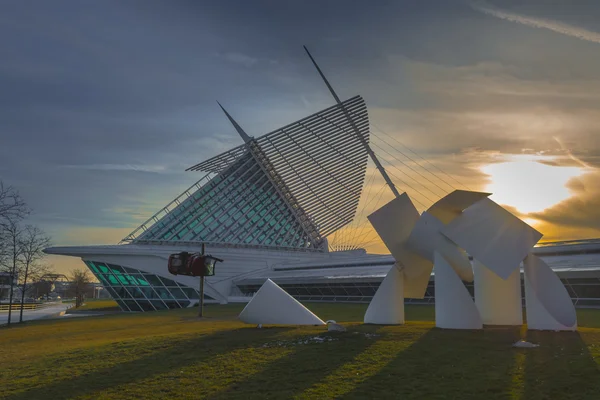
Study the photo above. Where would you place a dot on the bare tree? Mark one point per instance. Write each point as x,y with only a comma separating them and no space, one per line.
12,210
32,242
12,206
12,233
80,278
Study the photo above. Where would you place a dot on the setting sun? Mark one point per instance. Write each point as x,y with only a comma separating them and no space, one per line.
527,184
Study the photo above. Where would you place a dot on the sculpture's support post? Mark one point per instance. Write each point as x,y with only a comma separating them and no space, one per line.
549,306
498,300
387,306
454,307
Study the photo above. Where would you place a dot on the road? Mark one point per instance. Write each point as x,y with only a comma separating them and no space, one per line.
47,312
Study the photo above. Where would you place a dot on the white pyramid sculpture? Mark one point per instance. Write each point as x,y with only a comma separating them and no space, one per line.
273,305
387,306
454,307
549,305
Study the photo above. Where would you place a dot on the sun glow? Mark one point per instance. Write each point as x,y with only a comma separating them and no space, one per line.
527,184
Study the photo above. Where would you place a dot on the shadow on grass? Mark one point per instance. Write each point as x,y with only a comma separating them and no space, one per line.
306,366
181,354
562,367
447,364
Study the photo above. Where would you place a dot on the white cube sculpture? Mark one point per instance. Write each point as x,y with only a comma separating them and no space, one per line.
273,305
387,306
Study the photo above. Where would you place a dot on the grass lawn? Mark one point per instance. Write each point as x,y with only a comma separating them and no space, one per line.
98,305
174,355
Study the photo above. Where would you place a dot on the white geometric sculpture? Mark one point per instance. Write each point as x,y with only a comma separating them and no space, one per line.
273,305
454,307
497,240
549,305
394,223
425,239
498,300
387,306
451,206
493,236
413,239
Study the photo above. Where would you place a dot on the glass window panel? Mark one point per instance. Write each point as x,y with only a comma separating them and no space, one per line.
102,268
190,293
163,293
131,280
177,293
91,266
111,291
149,293
153,279
112,280
101,278
131,270
114,268
159,305
122,304
146,305
136,292
168,282
172,304
138,280
132,305
122,292
184,303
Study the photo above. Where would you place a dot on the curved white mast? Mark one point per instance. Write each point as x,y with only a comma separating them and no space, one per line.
371,153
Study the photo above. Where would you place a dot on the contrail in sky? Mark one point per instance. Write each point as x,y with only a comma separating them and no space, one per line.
533,22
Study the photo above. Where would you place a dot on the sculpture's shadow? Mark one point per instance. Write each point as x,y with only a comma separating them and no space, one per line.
484,365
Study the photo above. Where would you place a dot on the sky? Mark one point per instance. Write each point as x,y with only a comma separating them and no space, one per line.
104,104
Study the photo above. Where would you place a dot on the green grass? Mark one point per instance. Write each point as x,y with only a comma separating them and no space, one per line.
174,355
98,305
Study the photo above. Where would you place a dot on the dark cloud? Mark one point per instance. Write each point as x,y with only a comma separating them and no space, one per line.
582,209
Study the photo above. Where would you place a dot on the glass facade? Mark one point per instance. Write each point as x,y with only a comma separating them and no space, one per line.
136,290
583,291
241,205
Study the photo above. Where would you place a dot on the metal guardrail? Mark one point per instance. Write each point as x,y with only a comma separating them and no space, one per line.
26,306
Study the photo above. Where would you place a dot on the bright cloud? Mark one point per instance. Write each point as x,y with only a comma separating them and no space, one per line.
529,185
555,26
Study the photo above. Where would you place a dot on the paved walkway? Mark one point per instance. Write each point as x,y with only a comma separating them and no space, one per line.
52,310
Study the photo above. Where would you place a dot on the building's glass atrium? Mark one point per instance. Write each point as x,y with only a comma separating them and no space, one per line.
239,206
136,290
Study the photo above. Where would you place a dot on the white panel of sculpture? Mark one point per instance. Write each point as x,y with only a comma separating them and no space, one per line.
387,306
549,306
493,236
273,305
454,307
498,300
